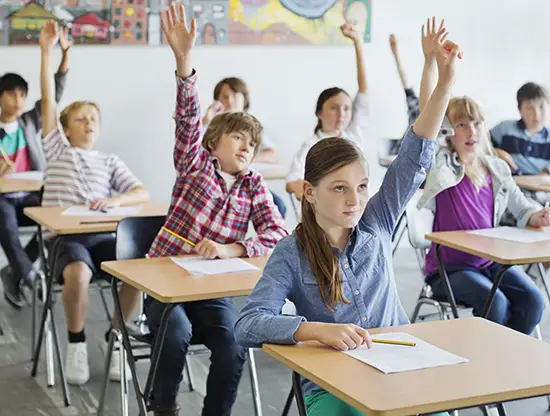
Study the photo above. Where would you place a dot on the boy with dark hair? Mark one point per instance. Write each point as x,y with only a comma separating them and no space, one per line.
525,144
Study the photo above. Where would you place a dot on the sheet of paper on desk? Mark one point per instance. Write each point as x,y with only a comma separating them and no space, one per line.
397,358
518,235
31,175
202,266
85,211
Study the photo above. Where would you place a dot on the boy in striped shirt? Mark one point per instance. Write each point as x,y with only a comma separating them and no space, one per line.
213,200
78,175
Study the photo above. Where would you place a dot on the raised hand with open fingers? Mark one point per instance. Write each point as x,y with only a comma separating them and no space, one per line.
49,34
64,41
446,56
180,37
431,36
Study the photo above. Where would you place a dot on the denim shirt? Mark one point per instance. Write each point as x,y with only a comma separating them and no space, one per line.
365,265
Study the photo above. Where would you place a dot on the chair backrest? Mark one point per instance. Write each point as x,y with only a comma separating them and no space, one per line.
388,147
419,223
134,236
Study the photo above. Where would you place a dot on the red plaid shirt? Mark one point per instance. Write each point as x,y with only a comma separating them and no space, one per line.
201,206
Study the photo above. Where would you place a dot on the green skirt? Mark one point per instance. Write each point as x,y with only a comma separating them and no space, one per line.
323,403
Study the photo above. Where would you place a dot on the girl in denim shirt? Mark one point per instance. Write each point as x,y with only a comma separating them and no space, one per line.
336,267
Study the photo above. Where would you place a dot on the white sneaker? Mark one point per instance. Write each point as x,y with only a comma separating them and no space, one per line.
114,369
76,363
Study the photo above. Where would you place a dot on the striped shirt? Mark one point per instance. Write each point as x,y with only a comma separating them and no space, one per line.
76,176
203,205
530,152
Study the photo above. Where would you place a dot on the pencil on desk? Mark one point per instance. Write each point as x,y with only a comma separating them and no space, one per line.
388,341
5,156
185,240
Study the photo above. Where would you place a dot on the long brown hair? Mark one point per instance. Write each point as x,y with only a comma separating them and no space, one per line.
323,98
323,158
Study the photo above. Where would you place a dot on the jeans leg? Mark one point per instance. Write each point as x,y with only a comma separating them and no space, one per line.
9,239
172,357
213,325
471,288
526,300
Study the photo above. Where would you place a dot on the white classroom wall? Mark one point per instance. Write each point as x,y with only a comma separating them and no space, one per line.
505,43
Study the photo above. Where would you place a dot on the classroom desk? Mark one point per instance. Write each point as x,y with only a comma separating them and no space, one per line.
499,370
165,281
8,186
270,171
535,183
51,219
507,253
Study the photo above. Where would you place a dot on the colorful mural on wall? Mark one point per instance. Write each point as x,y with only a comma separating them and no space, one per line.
219,22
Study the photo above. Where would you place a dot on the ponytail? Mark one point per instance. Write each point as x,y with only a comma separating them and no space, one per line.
324,264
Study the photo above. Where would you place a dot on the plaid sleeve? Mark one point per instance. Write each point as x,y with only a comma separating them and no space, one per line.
188,151
122,178
54,144
268,223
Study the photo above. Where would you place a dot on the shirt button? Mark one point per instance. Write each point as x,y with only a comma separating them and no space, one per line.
346,266
363,318
356,292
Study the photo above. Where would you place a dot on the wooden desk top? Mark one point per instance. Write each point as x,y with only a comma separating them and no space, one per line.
167,282
501,251
504,365
8,186
51,219
270,171
536,183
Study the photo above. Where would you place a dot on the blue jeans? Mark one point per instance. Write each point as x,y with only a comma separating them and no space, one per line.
280,204
209,322
518,303
20,258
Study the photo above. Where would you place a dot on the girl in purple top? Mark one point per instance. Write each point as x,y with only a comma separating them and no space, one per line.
470,188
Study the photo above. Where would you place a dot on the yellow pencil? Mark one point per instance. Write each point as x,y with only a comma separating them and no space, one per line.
179,236
387,341
5,156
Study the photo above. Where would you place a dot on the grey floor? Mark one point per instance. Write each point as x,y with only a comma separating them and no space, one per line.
24,396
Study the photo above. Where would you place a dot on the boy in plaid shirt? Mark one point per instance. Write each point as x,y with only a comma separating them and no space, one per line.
213,200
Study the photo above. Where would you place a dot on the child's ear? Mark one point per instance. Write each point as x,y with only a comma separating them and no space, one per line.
309,192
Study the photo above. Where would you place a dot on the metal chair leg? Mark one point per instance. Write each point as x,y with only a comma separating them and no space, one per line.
189,374
105,305
108,357
254,383
57,350
123,376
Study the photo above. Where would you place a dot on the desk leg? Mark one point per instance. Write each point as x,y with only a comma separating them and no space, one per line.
496,284
288,403
141,398
157,348
443,275
298,394
501,409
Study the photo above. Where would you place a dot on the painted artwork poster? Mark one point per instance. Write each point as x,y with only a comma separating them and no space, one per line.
219,22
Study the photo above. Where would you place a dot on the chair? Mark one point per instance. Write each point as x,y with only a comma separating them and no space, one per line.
134,238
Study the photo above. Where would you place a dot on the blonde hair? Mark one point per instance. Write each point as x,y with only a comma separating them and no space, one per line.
77,105
465,107
230,123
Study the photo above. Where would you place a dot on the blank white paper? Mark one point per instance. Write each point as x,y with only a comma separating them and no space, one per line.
31,175
85,211
518,235
202,266
397,358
